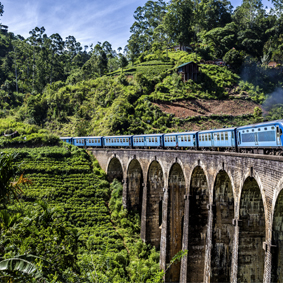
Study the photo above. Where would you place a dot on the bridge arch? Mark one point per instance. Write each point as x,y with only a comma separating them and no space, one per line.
182,167
196,164
277,233
175,218
222,228
135,179
115,168
198,220
252,230
155,187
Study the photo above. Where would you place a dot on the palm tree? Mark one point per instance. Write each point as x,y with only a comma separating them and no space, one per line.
9,187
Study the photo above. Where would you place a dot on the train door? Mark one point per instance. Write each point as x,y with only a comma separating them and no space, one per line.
232,139
212,139
278,135
239,140
256,139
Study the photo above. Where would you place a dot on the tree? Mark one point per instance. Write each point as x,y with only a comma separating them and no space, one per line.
123,62
1,9
147,18
211,14
222,39
178,21
234,58
8,187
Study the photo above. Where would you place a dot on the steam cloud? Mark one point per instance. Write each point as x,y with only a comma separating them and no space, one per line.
276,97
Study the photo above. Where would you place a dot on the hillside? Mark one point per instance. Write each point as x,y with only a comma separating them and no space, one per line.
136,101
73,219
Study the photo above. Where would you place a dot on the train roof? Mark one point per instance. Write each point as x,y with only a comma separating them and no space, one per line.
90,137
149,135
217,130
65,138
181,133
262,124
124,136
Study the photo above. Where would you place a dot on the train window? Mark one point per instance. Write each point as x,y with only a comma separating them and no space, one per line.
226,136
218,137
222,136
209,137
205,137
272,128
232,135
155,139
174,139
123,140
265,129
189,138
243,131
258,129
247,131
127,140
182,138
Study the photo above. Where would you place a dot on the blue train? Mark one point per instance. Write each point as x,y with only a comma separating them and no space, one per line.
262,138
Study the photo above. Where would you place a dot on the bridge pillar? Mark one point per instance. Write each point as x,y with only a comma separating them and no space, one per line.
184,261
234,267
268,261
143,214
125,194
207,263
163,241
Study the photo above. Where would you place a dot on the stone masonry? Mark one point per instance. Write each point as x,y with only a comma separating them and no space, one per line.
226,209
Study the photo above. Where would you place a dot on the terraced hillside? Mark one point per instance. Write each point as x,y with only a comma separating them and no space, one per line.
108,247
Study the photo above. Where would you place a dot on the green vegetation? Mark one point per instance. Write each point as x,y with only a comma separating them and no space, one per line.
70,223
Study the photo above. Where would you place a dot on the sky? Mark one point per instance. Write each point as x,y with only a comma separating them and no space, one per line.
89,21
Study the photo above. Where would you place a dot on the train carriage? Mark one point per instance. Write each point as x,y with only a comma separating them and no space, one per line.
117,141
148,140
68,140
181,140
94,141
219,139
79,141
263,137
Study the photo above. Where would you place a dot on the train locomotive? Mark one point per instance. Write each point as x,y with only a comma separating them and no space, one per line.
261,138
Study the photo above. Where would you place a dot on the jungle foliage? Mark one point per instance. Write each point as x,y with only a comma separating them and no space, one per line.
69,225
68,89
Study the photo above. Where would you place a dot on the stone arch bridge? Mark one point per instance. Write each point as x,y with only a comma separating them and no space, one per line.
226,209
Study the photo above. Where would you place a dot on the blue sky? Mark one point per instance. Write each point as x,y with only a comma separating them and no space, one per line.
89,21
